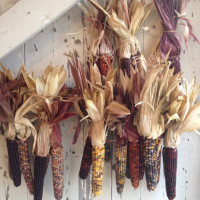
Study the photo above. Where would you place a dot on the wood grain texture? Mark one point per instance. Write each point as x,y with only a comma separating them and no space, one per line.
48,46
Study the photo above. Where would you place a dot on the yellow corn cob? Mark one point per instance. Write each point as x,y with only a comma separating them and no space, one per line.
98,156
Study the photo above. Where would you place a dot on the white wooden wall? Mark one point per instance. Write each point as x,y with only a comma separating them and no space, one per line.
48,46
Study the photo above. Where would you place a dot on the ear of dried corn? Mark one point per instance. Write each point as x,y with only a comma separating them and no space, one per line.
170,168
150,163
141,158
25,164
58,171
134,163
153,103
13,156
127,163
183,115
159,153
86,161
98,156
120,164
40,167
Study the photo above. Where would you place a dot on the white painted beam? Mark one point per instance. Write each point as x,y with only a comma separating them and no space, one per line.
26,18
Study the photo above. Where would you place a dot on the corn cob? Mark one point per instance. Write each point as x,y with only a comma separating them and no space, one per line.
9,171
98,156
125,66
40,168
170,167
13,156
107,152
104,64
134,163
58,171
158,146
150,163
127,163
108,148
25,164
120,164
86,160
141,158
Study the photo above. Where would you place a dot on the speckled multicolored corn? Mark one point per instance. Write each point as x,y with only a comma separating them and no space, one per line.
158,146
127,163
170,156
86,160
141,158
40,168
150,163
57,171
25,164
134,163
13,156
98,157
120,165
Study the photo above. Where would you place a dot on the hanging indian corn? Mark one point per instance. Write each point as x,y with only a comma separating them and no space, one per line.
183,116
149,117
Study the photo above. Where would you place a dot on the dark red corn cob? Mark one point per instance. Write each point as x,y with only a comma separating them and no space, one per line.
134,163
125,66
104,64
13,156
58,171
170,168
25,164
40,168
150,163
141,158
158,146
127,163
86,160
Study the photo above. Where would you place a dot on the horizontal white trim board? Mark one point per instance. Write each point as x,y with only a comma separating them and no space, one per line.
26,18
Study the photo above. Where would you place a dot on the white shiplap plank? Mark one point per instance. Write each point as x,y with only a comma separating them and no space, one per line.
14,60
39,51
26,18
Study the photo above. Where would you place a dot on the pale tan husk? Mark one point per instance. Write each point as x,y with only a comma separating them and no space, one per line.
183,114
154,98
44,89
100,106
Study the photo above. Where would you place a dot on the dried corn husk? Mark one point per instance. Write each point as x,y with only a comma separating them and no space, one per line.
183,113
153,99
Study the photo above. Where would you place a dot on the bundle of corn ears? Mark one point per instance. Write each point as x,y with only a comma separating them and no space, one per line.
100,111
152,101
15,104
54,108
125,18
183,116
99,51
